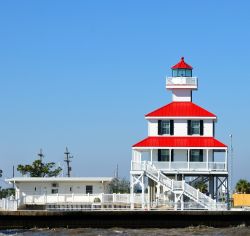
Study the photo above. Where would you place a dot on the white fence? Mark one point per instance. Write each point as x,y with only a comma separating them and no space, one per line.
67,202
78,198
7,204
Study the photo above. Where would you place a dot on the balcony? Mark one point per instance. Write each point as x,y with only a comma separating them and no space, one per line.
180,166
182,82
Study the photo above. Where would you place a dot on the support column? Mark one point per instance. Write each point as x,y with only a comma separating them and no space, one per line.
131,192
226,160
170,158
151,155
228,196
175,202
211,185
207,158
216,189
143,192
182,203
188,159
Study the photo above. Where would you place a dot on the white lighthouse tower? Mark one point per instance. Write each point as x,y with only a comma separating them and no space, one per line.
182,83
179,165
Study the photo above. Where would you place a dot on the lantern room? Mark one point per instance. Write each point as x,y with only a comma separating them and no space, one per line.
182,69
181,78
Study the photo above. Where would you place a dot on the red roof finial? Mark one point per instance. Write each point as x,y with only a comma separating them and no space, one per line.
182,65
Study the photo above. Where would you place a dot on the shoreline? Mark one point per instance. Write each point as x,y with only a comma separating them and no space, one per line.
124,219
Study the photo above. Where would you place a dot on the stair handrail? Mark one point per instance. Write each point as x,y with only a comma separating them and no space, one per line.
187,189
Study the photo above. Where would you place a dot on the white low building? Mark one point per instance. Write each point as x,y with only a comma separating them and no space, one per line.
60,190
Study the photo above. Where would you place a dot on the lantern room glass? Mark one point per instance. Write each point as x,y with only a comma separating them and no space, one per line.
182,73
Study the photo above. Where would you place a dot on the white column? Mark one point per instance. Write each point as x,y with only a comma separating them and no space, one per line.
188,159
226,160
142,192
131,191
151,155
207,158
170,158
182,203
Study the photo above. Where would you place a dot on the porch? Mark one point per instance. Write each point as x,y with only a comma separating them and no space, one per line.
191,160
179,166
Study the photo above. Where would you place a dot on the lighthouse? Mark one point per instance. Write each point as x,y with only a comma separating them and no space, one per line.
180,164
182,83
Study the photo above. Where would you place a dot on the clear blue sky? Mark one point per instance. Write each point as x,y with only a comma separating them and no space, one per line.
82,74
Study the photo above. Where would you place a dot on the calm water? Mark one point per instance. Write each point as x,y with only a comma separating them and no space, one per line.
240,230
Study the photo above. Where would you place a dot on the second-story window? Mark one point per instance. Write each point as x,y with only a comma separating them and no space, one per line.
195,127
165,127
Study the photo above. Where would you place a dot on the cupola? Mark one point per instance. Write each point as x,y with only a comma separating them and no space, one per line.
182,82
182,69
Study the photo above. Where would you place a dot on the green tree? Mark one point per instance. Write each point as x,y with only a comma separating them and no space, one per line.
39,169
201,186
242,186
7,192
119,186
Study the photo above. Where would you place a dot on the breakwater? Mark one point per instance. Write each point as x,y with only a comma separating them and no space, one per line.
125,219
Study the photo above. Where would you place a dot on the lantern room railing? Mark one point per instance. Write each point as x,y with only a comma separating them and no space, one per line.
182,82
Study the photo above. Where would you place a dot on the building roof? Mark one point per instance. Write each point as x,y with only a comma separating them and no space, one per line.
181,109
59,179
187,141
182,65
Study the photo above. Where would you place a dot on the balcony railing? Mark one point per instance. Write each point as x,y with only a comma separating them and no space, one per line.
181,81
182,166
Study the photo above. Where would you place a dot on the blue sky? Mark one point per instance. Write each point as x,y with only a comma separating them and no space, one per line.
83,74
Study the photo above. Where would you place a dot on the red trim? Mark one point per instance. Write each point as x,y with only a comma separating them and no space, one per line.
181,109
182,65
159,141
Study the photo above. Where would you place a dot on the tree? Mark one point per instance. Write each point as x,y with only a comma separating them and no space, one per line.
119,186
39,169
242,186
201,186
7,192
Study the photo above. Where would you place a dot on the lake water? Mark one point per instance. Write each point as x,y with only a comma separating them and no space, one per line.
202,230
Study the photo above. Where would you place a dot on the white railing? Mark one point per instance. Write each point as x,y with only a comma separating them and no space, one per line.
180,166
7,204
179,186
77,198
181,81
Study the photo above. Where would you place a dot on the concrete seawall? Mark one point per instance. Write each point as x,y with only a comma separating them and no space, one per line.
128,219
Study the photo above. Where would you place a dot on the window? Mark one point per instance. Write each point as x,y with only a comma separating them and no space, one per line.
195,127
55,185
163,155
54,191
70,189
89,189
182,73
165,127
196,155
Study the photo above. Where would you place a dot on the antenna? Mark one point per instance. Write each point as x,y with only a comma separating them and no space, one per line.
67,160
231,164
40,154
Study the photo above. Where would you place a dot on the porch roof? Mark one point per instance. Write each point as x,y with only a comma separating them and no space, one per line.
181,109
170,141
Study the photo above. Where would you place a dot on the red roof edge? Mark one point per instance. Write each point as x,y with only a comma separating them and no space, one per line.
181,141
182,65
180,109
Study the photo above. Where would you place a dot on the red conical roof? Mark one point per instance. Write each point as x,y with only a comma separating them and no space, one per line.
182,65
